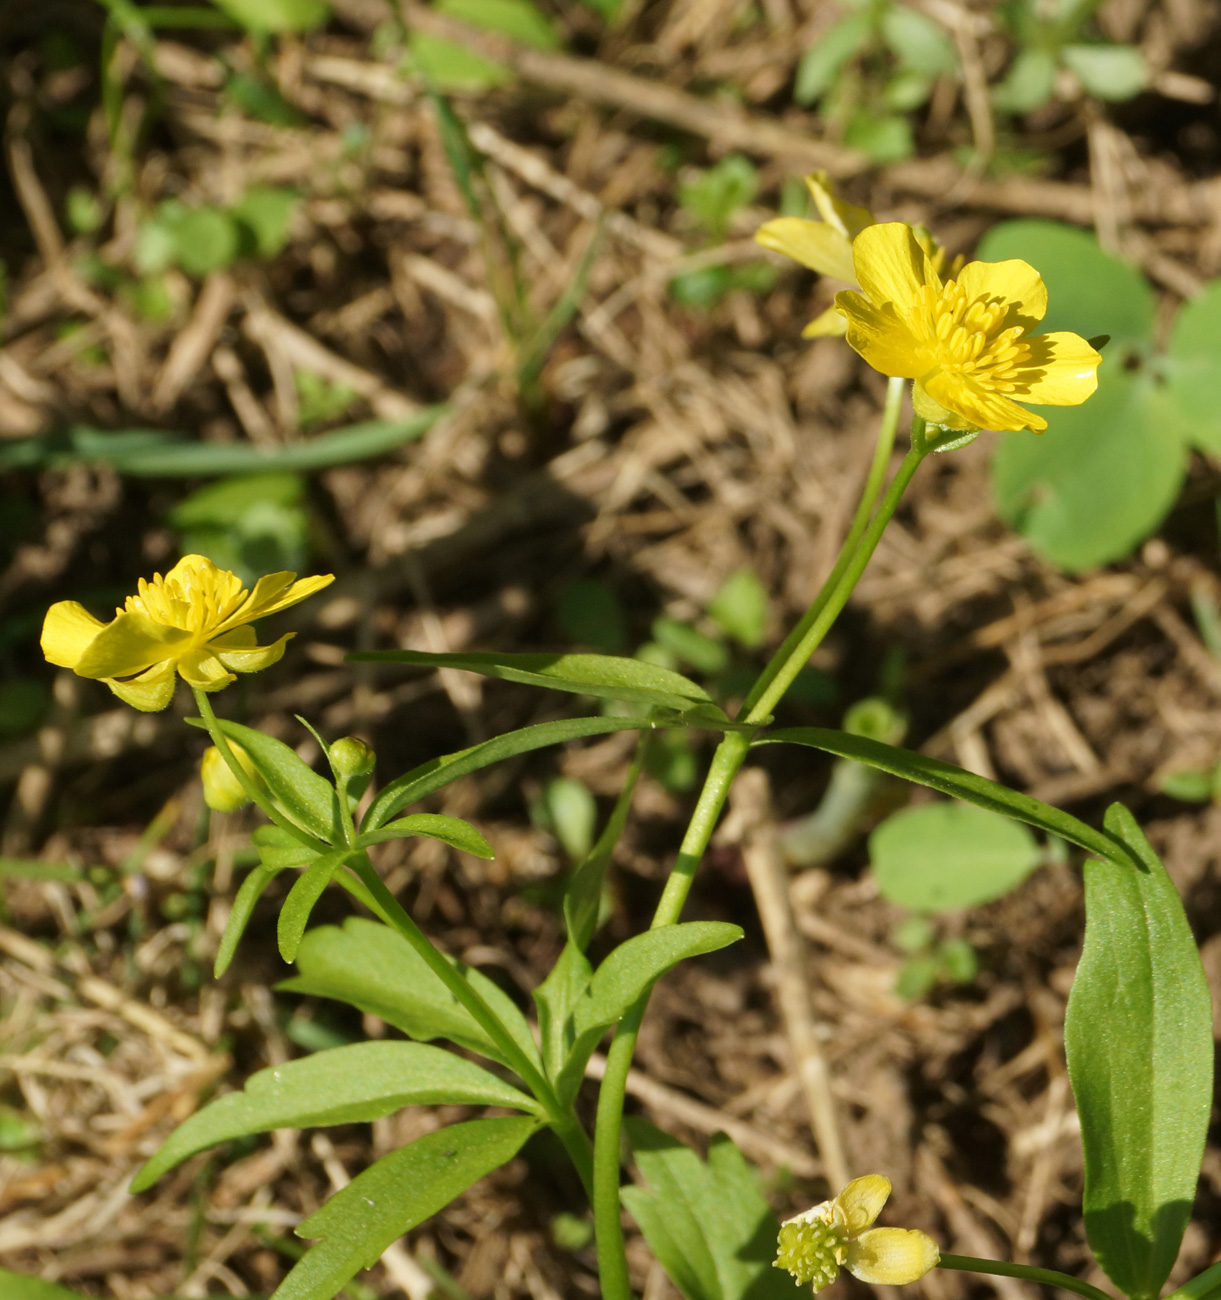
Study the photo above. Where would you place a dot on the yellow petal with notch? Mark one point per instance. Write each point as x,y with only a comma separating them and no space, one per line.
891,1256
861,1202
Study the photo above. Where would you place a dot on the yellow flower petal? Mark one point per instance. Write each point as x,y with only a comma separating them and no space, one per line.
272,593
891,1256
880,336
128,645
67,632
815,244
250,659
151,691
847,218
861,1202
1016,282
1062,371
891,266
203,670
829,325
979,407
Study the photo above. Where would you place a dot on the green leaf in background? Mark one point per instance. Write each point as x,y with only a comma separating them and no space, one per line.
1029,83
822,63
605,677
741,608
1108,71
708,1224
519,20
1138,1037
265,213
452,68
342,1085
438,772
918,42
884,137
250,524
590,613
942,856
957,782
568,810
1193,367
713,196
393,1196
449,830
703,653
307,798
376,970
276,15
307,889
18,1286
151,453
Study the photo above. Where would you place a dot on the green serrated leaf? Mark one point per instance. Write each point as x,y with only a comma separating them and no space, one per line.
450,830
307,890
943,856
393,1196
439,772
342,1085
1138,1037
1193,367
606,677
948,779
308,798
708,1224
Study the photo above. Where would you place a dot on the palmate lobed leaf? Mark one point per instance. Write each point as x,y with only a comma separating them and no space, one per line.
1138,1038
342,1085
394,1195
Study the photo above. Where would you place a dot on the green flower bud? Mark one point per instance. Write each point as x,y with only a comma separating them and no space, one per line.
352,757
223,792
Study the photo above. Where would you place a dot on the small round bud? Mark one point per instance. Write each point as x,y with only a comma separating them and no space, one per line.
352,757
223,792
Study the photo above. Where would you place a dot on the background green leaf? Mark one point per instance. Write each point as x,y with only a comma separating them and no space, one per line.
1193,367
1108,71
276,15
822,63
394,1195
942,856
519,20
344,1085
1138,1037
19,1286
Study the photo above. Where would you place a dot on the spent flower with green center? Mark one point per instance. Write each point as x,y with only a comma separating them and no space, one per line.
839,1233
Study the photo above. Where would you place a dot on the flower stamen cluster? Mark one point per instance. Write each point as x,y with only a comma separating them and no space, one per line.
812,1250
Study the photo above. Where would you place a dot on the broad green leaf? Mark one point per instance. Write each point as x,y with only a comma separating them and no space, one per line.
948,779
374,969
1193,367
1138,1037
450,830
19,1286
438,772
343,1085
149,453
708,1224
1108,71
918,42
943,856
243,909
517,19
1103,475
606,677
306,891
276,15
1089,291
1029,83
307,798
448,66
822,63
393,1196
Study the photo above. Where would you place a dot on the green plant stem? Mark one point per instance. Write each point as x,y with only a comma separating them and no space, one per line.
775,679
1047,1276
1201,1287
561,1118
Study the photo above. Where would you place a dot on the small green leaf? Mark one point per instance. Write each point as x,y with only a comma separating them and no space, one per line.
438,772
206,240
276,15
517,19
716,194
605,677
943,856
19,1286
703,653
741,608
307,798
265,213
1193,785
885,137
1193,367
307,890
1138,1037
556,998
1108,71
451,67
393,1196
708,1224
1029,83
568,809
822,63
449,830
918,42
243,909
341,1085
948,779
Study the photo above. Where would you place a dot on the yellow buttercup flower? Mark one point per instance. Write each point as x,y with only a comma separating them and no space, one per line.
194,622
837,1234
965,341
